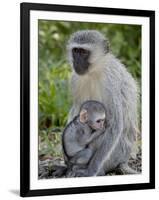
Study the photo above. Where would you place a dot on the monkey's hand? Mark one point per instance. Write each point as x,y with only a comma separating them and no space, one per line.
77,171
81,173
70,173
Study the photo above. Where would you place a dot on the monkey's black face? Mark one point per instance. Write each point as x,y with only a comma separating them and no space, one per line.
80,60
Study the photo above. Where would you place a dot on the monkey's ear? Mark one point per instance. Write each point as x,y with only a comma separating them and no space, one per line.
83,116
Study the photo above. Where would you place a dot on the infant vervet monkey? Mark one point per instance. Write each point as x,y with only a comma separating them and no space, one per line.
81,131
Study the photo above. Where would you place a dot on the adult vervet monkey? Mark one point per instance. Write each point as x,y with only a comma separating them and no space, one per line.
98,75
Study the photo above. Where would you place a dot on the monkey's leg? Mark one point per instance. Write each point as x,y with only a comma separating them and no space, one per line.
101,173
82,157
125,169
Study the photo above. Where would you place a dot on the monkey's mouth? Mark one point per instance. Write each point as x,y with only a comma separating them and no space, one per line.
80,69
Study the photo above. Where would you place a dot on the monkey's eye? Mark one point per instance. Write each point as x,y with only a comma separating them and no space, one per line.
100,120
80,51
83,51
75,50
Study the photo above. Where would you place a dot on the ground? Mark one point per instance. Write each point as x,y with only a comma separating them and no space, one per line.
46,165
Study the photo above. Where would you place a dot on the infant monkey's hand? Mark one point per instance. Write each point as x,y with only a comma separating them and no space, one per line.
72,171
81,173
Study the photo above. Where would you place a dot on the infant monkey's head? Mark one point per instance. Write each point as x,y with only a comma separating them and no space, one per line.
93,113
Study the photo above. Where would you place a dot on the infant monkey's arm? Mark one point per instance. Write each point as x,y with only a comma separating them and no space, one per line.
83,156
85,140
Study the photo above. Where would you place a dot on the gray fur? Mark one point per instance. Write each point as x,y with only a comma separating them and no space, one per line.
107,81
89,37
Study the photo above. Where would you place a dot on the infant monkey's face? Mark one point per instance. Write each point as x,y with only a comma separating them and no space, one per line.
97,121
93,113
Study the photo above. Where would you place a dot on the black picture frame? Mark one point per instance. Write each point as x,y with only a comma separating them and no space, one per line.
25,9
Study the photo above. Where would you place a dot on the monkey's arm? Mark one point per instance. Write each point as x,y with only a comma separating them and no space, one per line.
95,135
85,139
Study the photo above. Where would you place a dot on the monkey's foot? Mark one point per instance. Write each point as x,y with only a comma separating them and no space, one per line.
59,171
125,169
77,173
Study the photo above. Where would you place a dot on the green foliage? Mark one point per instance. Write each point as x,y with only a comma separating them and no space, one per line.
54,96
54,70
50,143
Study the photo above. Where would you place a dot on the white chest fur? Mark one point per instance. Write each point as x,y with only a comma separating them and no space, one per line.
89,87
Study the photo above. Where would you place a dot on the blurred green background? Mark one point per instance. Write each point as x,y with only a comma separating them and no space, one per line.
55,72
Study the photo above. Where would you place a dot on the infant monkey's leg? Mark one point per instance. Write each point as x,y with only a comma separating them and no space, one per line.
82,157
